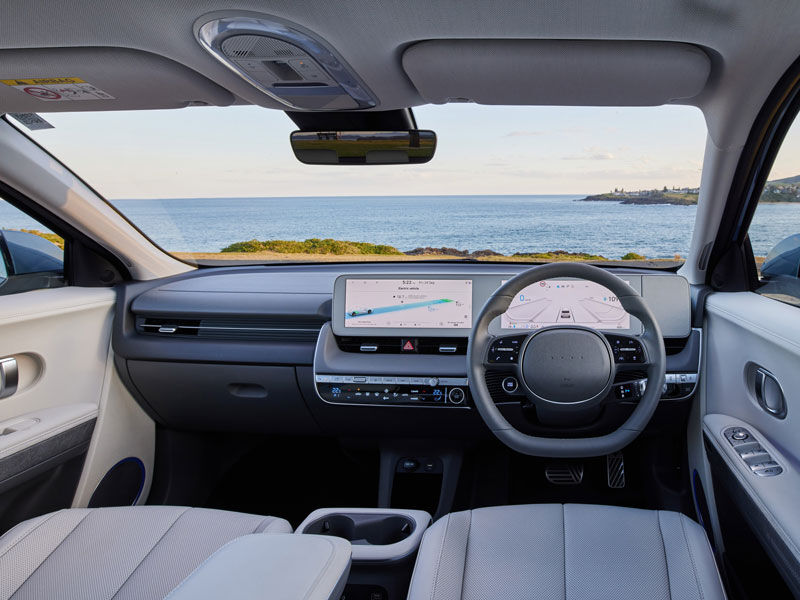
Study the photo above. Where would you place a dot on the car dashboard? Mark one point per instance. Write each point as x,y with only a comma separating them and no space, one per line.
356,349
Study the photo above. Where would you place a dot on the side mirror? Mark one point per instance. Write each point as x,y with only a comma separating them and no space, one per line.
29,262
415,146
783,259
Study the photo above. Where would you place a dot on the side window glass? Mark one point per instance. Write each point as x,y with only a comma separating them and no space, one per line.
775,230
32,257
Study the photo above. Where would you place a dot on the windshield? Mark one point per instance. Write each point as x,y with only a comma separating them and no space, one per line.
506,183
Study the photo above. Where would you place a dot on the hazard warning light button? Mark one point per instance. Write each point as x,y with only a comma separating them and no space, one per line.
408,345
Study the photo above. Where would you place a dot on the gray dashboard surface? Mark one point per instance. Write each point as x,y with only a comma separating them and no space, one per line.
306,290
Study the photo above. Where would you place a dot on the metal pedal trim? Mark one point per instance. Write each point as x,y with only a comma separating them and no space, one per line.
564,474
615,470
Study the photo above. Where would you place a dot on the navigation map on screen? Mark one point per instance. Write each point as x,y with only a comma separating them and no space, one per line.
569,302
409,303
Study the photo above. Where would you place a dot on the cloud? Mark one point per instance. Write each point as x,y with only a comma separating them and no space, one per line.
538,132
525,133
590,156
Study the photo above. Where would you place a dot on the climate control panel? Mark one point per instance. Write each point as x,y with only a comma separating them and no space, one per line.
452,392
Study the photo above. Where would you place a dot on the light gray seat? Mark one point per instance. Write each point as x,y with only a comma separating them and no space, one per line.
572,552
139,553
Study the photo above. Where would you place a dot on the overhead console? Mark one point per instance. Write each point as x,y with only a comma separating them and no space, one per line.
284,62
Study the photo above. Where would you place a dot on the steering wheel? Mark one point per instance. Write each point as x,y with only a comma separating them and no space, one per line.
566,370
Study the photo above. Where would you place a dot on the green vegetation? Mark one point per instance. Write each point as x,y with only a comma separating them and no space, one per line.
311,246
679,197
331,247
559,255
50,237
782,190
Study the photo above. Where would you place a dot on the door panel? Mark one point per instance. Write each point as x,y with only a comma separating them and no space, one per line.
747,335
65,404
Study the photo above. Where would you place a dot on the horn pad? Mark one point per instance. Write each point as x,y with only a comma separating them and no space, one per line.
568,365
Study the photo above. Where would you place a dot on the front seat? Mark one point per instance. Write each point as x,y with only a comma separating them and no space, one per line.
132,552
571,551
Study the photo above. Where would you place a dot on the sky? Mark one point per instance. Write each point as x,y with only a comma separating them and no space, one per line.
243,151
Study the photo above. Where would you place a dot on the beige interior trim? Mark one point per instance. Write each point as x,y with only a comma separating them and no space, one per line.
123,429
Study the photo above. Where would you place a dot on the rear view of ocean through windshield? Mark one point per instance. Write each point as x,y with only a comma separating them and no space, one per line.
502,224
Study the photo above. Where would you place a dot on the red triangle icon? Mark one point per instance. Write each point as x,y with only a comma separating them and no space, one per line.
408,347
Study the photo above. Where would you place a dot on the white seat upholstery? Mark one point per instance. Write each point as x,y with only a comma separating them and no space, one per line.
139,553
572,552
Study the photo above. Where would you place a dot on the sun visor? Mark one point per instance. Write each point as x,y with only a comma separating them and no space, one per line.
90,79
557,72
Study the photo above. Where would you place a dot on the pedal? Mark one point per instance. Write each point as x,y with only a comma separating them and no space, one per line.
570,474
615,469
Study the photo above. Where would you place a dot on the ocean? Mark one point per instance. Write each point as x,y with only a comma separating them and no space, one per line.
505,224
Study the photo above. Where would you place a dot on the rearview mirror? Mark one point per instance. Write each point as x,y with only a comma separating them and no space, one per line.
415,146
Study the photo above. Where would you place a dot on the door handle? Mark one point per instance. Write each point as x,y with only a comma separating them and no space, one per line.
9,377
769,393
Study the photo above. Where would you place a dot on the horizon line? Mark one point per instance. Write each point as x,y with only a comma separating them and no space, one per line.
353,196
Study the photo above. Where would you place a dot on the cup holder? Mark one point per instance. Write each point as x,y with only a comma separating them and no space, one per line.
363,529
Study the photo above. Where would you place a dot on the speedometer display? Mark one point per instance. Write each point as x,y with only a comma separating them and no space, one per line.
565,302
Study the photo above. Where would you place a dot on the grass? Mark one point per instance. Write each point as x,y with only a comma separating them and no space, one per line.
50,237
311,246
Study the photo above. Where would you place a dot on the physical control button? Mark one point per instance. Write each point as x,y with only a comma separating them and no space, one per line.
408,345
769,471
752,451
625,349
409,464
510,385
432,381
456,395
505,350
738,436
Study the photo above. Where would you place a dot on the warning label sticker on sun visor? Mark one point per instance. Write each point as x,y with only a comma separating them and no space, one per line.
58,89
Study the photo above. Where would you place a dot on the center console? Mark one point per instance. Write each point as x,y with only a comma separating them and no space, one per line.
384,546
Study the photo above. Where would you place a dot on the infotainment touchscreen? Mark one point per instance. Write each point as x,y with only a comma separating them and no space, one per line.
567,302
408,303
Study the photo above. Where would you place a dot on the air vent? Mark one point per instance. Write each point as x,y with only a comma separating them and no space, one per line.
232,328
394,345
167,326
675,345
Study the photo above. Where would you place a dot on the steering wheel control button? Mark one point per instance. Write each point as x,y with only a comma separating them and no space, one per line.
510,385
505,350
626,350
568,365
456,395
